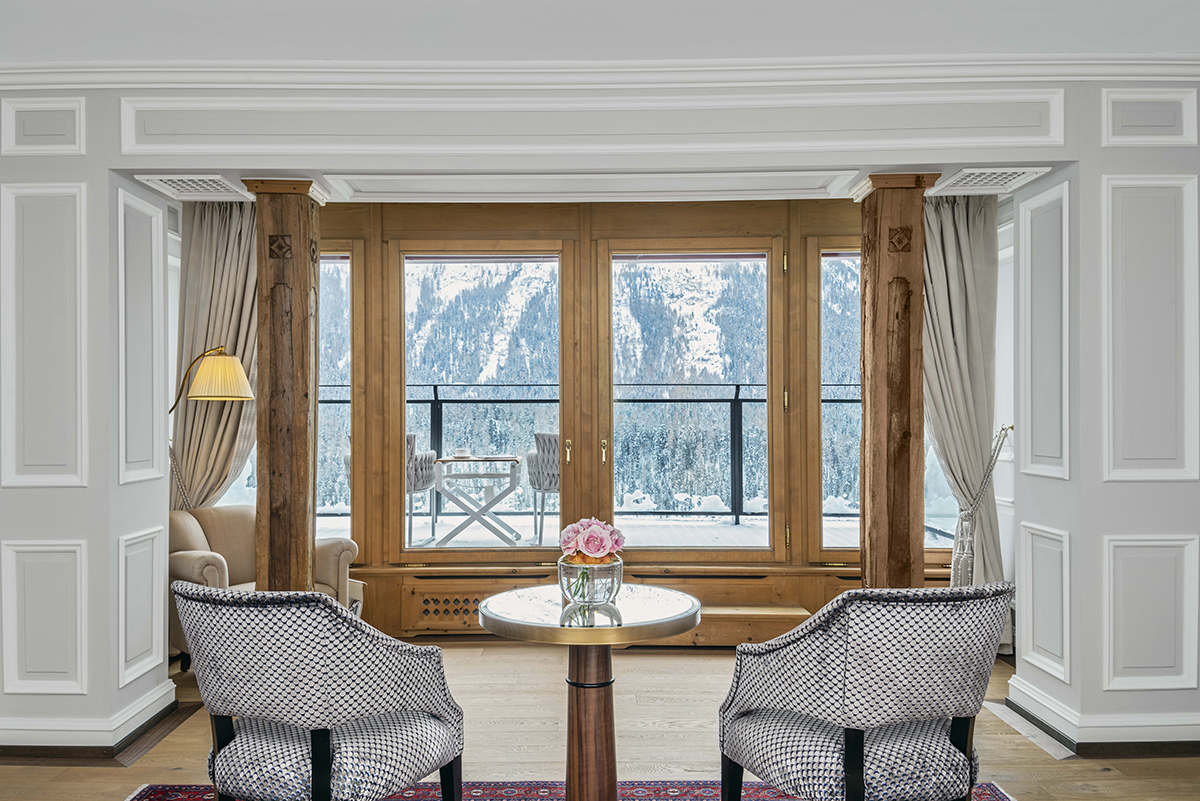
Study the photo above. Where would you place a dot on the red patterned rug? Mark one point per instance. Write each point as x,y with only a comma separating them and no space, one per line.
543,791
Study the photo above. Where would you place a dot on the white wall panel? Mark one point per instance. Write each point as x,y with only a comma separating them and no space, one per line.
1143,117
35,126
44,616
1150,282
43,336
590,124
1045,582
1045,334
1151,611
141,588
142,359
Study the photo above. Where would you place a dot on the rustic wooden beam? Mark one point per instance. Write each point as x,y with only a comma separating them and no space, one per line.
289,237
892,474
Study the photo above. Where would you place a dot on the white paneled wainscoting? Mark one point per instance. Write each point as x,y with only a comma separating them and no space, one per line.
83,396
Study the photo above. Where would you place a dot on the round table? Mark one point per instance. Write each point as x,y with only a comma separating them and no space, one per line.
539,614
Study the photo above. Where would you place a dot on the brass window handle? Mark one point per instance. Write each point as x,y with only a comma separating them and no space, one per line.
568,451
603,451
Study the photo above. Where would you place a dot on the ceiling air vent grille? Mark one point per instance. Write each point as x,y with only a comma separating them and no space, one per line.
987,180
196,187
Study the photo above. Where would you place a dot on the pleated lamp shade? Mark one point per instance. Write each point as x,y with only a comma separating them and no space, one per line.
220,378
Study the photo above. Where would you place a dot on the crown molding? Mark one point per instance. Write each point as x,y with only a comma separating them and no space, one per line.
531,75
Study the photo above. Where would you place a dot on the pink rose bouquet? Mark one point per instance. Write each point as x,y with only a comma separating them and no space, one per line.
591,542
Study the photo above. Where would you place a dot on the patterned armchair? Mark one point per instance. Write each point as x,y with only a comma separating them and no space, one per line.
309,702
874,697
418,477
543,464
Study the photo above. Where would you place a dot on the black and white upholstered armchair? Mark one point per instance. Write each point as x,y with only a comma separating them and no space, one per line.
544,476
308,702
874,697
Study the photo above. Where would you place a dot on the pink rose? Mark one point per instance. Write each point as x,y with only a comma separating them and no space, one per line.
569,539
595,541
618,540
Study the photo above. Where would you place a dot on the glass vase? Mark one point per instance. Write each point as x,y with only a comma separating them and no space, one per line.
590,585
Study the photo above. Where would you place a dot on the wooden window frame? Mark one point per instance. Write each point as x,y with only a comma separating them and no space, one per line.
356,249
815,247
777,551
395,386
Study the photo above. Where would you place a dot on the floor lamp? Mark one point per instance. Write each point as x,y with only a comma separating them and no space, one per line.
220,377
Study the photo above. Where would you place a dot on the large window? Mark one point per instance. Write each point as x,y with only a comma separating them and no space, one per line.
482,376
689,356
841,417
333,407
333,398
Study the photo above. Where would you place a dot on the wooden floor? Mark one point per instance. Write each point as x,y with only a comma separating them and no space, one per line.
666,702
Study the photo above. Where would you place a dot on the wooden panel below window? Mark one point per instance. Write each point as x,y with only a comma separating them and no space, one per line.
443,605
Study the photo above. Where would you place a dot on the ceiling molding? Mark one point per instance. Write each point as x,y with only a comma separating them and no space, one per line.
591,187
601,75
299,124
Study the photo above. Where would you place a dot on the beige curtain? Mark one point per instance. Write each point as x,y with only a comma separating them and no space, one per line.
962,257
218,305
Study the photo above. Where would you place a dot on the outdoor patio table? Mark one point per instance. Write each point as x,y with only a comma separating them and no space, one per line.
538,614
446,477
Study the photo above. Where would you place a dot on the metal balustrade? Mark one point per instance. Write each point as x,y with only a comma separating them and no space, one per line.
736,402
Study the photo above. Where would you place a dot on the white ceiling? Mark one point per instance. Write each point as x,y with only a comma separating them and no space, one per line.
315,31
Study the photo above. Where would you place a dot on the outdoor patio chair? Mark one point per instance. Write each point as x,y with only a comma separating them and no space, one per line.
418,477
309,702
873,697
543,464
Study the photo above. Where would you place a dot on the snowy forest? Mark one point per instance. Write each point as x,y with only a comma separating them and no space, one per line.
687,334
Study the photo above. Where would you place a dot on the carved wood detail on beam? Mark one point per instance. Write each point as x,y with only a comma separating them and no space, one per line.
288,262
893,442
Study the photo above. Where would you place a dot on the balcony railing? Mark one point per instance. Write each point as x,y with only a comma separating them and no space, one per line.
491,394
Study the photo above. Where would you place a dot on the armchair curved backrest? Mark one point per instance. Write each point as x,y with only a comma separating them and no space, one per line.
302,659
877,657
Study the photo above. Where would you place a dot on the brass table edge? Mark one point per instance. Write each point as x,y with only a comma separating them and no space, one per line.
608,635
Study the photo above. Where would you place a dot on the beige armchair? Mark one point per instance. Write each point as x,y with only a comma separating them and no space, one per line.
214,547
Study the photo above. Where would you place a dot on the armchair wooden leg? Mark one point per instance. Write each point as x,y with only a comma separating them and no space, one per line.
452,780
731,780
856,787
322,764
222,735
962,736
185,663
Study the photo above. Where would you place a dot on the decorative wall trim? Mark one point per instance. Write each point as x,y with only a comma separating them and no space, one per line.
1186,98
323,109
1187,548
1123,727
10,621
158,422
477,75
1008,503
130,670
11,106
1058,194
586,187
1060,669
9,477
1189,340
87,731
1046,707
